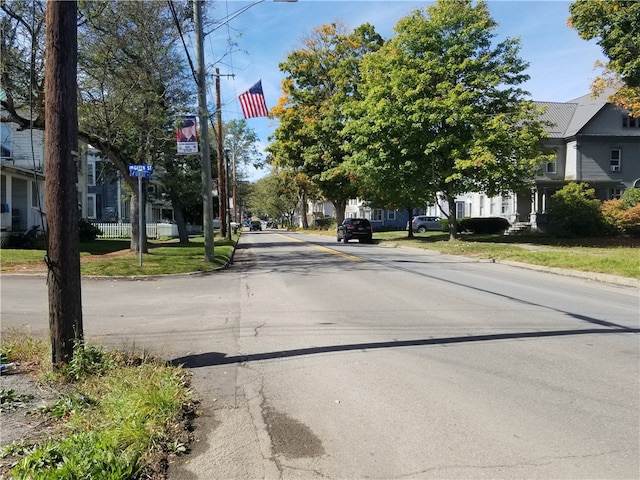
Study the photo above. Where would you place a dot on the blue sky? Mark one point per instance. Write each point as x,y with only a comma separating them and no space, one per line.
560,62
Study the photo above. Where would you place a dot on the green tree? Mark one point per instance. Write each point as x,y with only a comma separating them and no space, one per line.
442,112
574,211
22,65
180,182
133,84
275,196
615,25
321,78
241,143
132,80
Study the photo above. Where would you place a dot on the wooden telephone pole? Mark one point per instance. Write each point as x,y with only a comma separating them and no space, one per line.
61,191
203,116
222,176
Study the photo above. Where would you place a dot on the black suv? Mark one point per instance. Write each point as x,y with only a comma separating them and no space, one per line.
359,228
255,225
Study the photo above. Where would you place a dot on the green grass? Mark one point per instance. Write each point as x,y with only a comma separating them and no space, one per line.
614,256
168,258
117,415
113,258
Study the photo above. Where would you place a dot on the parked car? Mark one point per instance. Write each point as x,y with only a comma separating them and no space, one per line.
255,225
359,228
423,223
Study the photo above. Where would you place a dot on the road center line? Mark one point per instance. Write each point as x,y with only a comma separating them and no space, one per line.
324,249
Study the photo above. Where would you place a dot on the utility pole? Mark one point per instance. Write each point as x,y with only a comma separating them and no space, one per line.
207,195
61,191
234,186
222,183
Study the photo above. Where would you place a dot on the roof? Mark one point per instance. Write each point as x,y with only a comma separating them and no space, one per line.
569,118
559,116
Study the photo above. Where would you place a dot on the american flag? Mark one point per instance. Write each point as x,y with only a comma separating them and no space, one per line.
253,103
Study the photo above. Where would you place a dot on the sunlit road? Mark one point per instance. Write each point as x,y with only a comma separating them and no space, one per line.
316,359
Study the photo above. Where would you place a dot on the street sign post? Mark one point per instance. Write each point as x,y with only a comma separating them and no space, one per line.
140,171
143,171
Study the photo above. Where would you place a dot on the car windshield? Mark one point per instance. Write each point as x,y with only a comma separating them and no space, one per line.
360,222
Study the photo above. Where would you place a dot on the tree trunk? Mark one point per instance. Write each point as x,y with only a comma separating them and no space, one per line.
303,210
410,229
61,199
178,212
340,206
453,221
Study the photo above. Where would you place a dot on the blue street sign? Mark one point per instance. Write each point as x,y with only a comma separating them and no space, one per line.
143,171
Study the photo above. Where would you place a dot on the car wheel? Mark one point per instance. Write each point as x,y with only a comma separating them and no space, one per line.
422,229
346,239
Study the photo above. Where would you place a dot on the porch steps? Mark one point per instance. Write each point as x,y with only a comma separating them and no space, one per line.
518,227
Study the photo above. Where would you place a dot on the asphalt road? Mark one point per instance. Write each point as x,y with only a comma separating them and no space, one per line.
315,359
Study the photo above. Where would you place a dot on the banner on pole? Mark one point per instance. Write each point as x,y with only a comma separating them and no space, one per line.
187,135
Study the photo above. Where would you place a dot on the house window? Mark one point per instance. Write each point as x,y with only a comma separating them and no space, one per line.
377,215
481,205
35,200
615,193
492,206
5,137
391,214
91,173
630,122
615,159
91,205
460,210
551,167
505,205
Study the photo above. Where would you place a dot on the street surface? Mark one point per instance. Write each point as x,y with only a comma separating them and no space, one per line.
315,359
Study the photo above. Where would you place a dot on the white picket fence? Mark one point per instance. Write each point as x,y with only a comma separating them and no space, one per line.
123,230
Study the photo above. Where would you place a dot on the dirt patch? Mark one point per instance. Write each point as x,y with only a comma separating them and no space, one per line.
21,413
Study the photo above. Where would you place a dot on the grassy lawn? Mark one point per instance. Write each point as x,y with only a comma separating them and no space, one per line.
615,256
113,258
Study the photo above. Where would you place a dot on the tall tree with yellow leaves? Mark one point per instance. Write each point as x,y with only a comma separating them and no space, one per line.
615,25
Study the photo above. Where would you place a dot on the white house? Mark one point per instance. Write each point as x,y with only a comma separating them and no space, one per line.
22,174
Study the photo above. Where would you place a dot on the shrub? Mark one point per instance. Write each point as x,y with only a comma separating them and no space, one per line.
623,216
325,223
630,197
483,225
576,212
88,231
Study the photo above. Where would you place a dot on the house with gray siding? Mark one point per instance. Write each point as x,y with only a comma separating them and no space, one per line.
594,141
22,176
21,179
